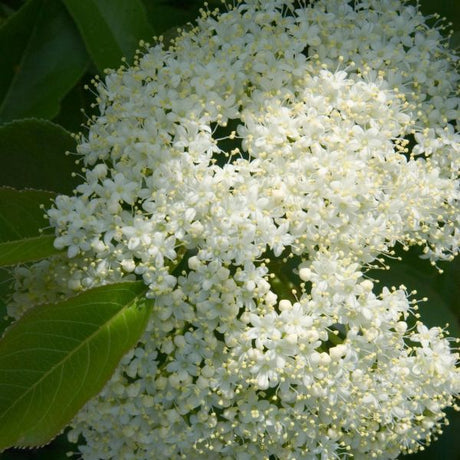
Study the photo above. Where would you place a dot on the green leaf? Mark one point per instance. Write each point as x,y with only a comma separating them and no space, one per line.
26,250
43,57
58,356
20,213
21,220
33,155
19,26
111,29
5,11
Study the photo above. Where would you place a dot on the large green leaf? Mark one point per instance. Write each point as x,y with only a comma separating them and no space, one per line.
21,220
58,356
27,250
111,29
21,215
33,155
44,63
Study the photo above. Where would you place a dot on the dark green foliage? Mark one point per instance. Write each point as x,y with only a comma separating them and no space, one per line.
44,57
111,29
34,150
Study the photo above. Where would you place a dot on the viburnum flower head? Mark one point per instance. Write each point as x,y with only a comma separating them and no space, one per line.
251,172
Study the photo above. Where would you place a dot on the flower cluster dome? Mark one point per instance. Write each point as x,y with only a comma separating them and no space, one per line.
250,173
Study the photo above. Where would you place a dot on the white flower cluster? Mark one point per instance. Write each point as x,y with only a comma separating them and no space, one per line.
250,174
